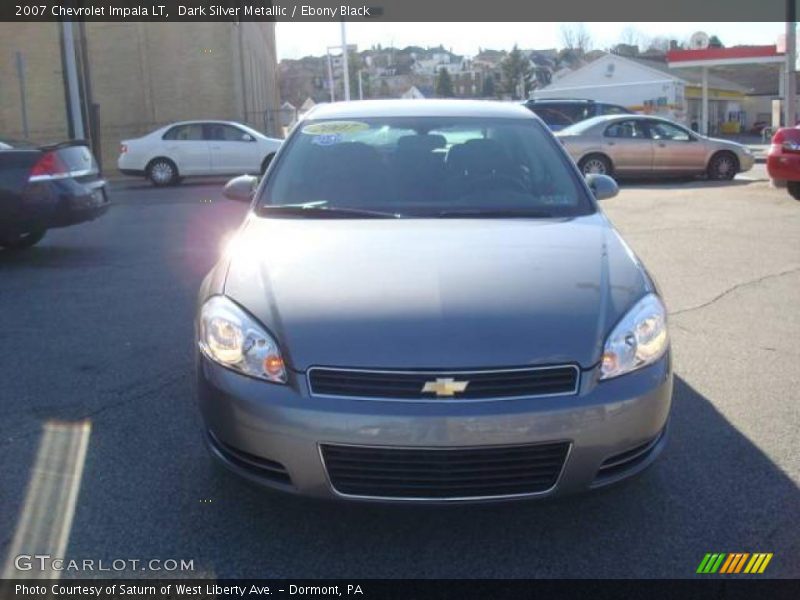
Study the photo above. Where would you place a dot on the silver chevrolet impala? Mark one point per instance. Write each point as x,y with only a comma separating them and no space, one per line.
637,145
425,303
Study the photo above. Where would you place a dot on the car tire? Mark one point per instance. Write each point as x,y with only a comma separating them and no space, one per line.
597,164
794,189
23,240
723,166
265,163
162,172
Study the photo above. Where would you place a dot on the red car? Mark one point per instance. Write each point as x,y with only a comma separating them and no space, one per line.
783,160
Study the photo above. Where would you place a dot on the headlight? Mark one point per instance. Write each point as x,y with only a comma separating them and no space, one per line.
638,340
232,338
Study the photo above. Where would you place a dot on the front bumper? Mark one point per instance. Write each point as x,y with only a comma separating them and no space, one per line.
746,162
272,434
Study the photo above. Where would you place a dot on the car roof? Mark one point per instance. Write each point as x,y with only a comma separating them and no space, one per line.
563,101
419,108
199,121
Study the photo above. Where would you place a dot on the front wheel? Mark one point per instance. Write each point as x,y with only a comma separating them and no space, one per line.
22,240
162,171
794,189
595,164
723,167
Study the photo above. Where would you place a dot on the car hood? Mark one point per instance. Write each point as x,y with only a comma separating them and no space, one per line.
434,293
728,144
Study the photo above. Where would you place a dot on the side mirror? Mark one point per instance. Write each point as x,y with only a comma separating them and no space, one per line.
240,188
602,186
246,137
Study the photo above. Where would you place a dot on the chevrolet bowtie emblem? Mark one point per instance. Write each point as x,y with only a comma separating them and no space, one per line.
445,386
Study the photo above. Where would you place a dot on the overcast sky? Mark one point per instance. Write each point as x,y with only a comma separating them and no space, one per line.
296,40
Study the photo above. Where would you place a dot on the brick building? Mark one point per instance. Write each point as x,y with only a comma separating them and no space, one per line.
140,76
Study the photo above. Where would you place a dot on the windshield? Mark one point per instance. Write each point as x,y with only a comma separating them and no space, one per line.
426,166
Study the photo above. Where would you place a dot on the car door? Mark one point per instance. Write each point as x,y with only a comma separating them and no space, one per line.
675,149
187,147
233,150
627,143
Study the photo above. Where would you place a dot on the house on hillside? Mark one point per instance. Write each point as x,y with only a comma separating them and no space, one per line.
412,93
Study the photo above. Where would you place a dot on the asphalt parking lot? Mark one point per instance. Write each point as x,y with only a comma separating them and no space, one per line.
96,324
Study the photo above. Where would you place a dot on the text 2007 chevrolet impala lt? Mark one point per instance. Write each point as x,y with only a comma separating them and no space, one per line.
425,303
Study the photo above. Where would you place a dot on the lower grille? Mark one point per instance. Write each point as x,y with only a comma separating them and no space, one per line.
433,385
446,473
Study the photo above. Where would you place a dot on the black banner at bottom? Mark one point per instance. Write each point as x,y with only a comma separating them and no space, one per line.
407,589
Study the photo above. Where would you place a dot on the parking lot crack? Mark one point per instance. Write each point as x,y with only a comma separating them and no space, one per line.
733,288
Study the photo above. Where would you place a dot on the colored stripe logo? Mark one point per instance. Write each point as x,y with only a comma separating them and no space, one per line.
734,562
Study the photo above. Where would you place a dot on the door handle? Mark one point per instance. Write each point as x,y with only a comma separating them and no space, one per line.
610,143
662,145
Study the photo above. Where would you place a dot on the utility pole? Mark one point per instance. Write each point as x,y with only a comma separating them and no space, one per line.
22,97
73,86
790,80
330,77
360,86
345,67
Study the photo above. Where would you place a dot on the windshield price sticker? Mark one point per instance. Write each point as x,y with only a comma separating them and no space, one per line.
335,127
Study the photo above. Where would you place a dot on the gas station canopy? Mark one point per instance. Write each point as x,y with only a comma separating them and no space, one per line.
714,57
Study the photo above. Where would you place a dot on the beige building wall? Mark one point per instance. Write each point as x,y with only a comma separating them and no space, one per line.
143,76
44,86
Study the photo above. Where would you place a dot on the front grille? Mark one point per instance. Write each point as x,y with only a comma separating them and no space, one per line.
444,474
508,383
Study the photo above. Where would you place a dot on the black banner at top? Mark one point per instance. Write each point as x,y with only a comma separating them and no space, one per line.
394,10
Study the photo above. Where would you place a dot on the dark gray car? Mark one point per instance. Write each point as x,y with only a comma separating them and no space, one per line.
425,303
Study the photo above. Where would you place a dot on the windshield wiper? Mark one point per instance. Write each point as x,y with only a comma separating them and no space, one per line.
318,210
492,214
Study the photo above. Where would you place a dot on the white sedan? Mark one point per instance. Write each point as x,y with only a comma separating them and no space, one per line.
196,148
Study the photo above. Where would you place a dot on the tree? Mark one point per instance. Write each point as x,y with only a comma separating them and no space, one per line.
444,84
577,38
488,90
715,42
630,36
658,45
517,73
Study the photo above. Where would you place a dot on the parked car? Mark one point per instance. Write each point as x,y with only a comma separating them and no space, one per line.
425,303
561,113
46,187
191,148
638,145
783,160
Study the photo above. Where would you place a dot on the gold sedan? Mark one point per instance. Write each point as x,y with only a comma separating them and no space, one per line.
638,145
